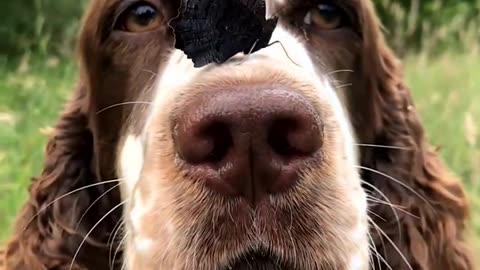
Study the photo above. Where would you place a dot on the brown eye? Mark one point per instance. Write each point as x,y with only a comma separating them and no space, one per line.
139,18
324,16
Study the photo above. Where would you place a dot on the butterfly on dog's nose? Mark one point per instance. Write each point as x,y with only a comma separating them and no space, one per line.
212,31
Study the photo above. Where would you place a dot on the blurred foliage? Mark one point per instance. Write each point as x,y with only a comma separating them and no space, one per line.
46,26
430,25
39,26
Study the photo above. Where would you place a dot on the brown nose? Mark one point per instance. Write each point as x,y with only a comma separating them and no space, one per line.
247,142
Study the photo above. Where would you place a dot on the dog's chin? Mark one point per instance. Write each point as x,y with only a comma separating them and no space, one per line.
258,260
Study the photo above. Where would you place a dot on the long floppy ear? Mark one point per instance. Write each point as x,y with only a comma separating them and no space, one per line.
2,260
424,211
48,231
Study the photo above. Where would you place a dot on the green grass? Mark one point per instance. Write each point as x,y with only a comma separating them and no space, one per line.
31,96
446,91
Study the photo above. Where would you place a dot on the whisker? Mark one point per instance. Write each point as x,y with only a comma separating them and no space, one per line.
94,202
66,195
370,220
379,201
374,252
372,249
151,72
91,230
339,71
117,250
342,86
374,199
377,215
397,207
388,203
111,239
124,265
398,182
382,146
379,257
394,246
123,104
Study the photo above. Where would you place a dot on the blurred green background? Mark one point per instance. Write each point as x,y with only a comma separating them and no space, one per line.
439,41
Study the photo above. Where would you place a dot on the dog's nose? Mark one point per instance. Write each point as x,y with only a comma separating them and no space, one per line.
247,142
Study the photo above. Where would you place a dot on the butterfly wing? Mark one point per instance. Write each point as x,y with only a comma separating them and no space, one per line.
211,31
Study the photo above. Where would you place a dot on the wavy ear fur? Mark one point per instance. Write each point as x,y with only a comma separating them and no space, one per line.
431,213
47,235
2,260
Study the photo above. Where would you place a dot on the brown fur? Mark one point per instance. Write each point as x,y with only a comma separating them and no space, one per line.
2,260
81,152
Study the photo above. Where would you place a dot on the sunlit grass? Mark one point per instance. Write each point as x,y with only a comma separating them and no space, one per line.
30,98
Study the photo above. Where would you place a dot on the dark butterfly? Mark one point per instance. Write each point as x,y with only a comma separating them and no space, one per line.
212,31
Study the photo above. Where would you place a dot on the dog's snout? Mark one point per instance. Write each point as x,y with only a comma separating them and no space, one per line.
247,142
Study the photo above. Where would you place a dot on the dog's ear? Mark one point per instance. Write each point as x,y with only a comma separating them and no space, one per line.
54,221
403,167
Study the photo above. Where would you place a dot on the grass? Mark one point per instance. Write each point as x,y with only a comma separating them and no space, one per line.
31,97
446,91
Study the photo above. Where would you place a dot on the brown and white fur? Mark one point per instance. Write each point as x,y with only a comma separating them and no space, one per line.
133,92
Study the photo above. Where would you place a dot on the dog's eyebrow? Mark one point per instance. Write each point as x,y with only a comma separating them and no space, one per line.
212,31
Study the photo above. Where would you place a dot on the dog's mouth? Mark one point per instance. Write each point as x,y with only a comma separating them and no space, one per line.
259,260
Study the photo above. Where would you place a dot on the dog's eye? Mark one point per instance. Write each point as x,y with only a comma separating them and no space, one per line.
325,16
139,18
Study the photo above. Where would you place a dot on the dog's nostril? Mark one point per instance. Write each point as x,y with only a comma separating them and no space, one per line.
278,137
203,142
220,139
289,138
